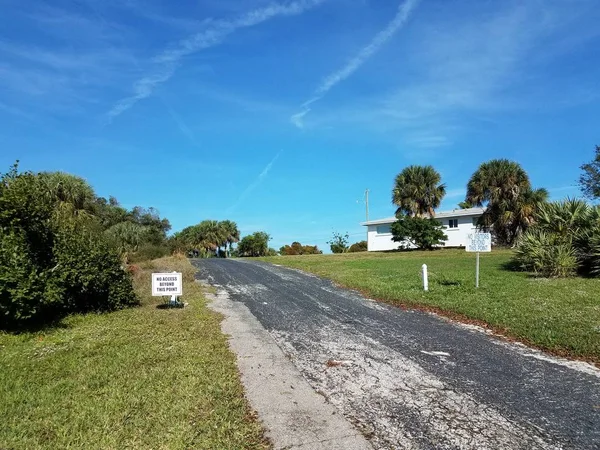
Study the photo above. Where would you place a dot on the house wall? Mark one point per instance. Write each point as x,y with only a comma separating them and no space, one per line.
457,237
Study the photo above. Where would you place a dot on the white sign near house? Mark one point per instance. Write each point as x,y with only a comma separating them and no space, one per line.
479,242
167,284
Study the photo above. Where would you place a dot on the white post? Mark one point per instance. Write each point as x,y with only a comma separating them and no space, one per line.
425,279
477,272
174,297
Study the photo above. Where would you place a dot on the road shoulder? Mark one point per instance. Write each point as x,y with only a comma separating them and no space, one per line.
295,416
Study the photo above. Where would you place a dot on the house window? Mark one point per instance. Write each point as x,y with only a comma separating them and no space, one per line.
453,223
384,229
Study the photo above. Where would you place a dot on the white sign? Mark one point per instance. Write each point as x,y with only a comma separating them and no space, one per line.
167,284
479,242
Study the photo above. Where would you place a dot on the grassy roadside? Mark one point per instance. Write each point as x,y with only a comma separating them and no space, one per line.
138,378
558,315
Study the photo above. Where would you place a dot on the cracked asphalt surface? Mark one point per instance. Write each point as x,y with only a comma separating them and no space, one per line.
409,379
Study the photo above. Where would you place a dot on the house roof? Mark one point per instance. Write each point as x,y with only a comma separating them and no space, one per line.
440,215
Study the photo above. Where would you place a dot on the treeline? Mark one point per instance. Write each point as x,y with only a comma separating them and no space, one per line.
63,248
208,238
551,238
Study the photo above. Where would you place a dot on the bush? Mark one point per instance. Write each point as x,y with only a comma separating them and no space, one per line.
54,257
22,283
89,274
361,246
338,242
546,254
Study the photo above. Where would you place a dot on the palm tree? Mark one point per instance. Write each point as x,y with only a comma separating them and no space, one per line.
211,235
72,196
496,181
126,237
232,233
511,204
417,191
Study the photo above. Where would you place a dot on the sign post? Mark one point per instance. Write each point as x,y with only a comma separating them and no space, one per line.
478,242
165,284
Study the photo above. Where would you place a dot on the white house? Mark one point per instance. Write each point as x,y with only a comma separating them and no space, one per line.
458,224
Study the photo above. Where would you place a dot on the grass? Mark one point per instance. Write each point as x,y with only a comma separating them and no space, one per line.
139,378
558,315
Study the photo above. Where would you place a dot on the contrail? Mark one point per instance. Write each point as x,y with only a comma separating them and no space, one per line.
255,183
216,32
404,11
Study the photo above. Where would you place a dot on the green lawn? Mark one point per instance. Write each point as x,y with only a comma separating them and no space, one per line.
138,378
560,315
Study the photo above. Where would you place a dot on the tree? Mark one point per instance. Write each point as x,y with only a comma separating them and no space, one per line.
72,196
150,218
504,188
465,205
496,181
421,232
589,180
417,191
211,235
255,244
231,233
361,246
339,242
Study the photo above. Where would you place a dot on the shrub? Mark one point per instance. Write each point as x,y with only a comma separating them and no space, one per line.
338,242
22,283
547,254
565,239
89,274
361,246
54,258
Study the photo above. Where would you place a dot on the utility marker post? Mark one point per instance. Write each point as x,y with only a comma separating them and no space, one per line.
477,272
478,242
425,278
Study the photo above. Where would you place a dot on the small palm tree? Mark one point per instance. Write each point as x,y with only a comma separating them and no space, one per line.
417,191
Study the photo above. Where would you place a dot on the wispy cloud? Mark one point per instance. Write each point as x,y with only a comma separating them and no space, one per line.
466,68
254,184
404,10
215,32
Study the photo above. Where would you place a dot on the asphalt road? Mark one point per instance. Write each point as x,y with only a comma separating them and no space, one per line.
409,379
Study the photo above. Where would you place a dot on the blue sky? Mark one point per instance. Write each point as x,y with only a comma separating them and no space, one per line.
279,115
